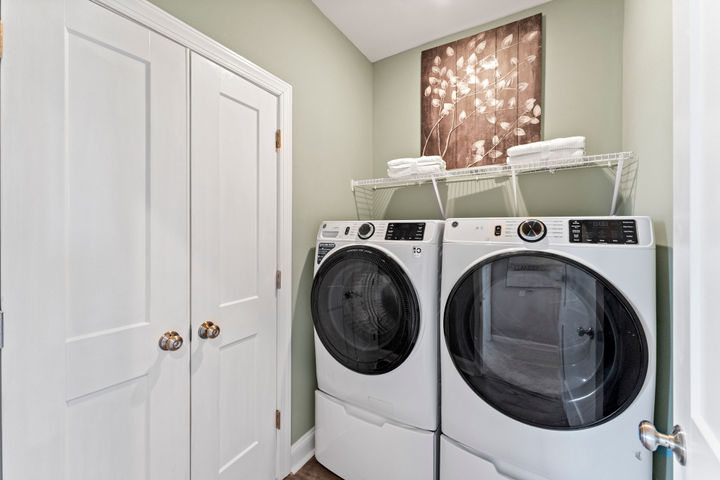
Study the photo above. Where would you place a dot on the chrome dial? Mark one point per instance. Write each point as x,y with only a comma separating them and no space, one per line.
366,230
532,230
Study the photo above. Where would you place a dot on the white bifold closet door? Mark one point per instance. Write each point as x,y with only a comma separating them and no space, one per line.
95,251
234,178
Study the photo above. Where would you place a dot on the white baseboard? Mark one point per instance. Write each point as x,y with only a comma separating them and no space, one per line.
302,450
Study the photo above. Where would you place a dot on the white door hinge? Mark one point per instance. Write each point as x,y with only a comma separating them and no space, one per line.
1,39
278,279
2,329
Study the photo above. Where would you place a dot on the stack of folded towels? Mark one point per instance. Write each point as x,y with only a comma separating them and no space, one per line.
403,167
556,149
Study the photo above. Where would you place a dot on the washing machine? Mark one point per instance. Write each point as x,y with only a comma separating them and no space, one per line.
374,303
548,348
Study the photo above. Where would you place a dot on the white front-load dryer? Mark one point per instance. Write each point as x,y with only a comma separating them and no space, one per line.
374,304
547,349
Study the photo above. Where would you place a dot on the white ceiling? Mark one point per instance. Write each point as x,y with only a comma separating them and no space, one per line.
381,28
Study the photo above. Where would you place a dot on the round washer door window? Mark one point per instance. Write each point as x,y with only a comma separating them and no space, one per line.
545,340
365,310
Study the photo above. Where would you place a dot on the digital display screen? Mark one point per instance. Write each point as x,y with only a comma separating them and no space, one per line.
405,231
603,231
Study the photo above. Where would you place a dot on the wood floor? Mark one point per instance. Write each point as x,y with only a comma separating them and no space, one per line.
313,471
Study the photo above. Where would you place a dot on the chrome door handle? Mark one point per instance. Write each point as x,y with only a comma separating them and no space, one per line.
208,330
675,442
170,341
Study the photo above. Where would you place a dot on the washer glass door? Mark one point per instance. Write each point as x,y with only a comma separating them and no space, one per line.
365,310
545,340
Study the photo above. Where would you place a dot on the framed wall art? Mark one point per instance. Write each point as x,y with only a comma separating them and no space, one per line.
482,94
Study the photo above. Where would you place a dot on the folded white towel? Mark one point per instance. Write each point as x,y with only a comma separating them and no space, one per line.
569,143
539,157
402,167
432,159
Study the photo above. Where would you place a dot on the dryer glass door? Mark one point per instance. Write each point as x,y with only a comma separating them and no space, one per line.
545,340
365,310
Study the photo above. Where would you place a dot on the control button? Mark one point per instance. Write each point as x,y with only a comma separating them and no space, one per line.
532,230
498,230
347,230
366,230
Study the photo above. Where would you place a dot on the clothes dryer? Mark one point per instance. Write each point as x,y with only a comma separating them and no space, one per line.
548,348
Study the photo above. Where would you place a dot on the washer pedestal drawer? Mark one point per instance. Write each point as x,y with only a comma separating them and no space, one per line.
357,444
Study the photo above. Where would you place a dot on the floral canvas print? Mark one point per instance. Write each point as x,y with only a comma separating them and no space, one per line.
481,95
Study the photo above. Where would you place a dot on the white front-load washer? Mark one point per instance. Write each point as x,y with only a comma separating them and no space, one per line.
548,348
374,304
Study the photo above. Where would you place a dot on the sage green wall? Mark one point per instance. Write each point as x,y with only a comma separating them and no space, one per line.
648,108
608,76
332,132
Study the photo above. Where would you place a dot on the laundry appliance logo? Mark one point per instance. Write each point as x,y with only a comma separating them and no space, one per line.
528,268
417,251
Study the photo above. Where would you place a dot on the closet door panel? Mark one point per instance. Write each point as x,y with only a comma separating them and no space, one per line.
127,249
114,199
233,285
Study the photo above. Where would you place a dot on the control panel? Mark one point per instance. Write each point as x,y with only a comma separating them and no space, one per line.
541,232
405,231
603,231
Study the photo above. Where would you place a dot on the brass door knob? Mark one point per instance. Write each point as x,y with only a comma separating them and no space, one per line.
208,330
170,341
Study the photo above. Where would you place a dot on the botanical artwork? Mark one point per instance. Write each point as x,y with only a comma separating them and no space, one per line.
481,95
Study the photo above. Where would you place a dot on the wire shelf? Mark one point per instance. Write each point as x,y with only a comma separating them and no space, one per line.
368,194
495,171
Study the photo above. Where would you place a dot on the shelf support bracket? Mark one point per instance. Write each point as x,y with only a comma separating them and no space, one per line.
357,208
513,176
439,200
616,189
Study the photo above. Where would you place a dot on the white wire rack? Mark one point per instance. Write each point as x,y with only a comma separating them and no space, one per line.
617,161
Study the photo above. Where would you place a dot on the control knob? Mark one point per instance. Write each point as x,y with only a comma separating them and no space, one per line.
532,230
366,230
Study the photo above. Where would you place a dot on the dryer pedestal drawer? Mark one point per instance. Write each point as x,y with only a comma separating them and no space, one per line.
356,444
457,463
